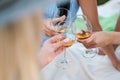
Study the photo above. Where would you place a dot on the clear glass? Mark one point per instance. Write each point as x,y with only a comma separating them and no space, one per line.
62,27
63,61
59,13
82,29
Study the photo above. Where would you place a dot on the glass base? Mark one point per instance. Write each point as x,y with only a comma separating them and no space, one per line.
90,53
63,63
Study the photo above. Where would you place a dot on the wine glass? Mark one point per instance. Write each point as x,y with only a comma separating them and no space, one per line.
62,27
82,29
59,12
63,60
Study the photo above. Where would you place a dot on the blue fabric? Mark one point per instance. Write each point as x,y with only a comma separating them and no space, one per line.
48,12
12,10
74,6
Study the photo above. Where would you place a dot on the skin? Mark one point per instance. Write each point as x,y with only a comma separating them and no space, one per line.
48,29
115,61
117,28
90,10
104,40
53,49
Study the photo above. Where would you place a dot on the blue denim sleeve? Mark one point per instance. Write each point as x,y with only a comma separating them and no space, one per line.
74,6
48,13
49,10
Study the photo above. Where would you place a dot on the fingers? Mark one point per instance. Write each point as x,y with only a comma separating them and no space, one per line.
89,46
55,20
81,41
59,44
56,37
48,28
48,25
50,31
88,43
59,50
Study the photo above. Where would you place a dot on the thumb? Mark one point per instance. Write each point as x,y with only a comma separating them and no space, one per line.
56,37
55,20
59,50
58,45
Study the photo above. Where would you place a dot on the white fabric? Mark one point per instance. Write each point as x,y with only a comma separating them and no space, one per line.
108,9
98,68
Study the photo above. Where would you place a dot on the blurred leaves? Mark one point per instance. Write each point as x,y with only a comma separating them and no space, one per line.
99,2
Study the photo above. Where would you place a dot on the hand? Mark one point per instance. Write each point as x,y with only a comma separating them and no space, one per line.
50,49
48,28
97,39
103,40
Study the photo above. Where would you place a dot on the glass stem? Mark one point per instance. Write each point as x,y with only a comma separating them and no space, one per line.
65,54
65,60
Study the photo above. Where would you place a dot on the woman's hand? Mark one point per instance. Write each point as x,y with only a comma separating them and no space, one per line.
48,25
97,39
50,49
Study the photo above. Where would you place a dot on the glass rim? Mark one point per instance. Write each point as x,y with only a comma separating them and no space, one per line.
69,12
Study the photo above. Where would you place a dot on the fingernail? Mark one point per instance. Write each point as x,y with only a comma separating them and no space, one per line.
66,40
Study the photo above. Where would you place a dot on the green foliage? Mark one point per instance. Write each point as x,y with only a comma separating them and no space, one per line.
99,2
107,23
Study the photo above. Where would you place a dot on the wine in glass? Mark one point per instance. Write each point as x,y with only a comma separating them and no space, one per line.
83,29
63,61
62,27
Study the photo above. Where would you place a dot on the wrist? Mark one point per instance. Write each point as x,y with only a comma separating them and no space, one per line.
115,37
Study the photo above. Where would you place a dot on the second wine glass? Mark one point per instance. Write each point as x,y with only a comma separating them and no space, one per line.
82,29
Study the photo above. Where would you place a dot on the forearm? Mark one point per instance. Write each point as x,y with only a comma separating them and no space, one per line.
89,8
115,37
110,53
117,28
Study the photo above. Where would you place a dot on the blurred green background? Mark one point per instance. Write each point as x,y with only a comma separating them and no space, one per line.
99,2
107,23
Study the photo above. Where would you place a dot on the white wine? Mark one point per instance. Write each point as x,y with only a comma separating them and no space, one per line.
69,43
83,34
61,30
